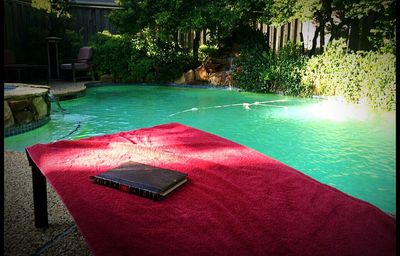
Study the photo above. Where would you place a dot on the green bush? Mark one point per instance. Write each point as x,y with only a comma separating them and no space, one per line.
368,77
142,58
253,67
166,59
287,70
266,72
112,55
378,86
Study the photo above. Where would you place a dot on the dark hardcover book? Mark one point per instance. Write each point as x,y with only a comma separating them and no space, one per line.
141,179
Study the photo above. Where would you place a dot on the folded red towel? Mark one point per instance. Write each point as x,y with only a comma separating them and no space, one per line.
237,201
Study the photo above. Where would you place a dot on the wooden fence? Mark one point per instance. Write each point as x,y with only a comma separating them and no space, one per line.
18,17
21,20
278,36
91,19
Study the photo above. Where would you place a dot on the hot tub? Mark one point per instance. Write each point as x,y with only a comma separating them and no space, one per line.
26,107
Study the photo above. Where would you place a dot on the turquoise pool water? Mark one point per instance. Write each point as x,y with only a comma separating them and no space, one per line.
343,146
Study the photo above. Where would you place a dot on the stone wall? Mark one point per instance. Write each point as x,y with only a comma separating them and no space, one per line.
26,105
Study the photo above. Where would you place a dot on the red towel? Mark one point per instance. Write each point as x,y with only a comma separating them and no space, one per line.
237,201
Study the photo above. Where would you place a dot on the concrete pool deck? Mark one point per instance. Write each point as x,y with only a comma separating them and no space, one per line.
20,235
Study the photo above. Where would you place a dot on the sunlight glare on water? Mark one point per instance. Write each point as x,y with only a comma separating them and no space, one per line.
345,146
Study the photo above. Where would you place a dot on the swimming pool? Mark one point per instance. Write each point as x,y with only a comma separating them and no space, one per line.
345,147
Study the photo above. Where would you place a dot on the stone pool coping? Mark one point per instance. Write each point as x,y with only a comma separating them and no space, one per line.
24,90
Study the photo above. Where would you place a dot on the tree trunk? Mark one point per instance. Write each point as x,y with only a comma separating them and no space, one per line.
196,45
302,43
354,35
175,35
336,29
365,32
322,39
325,17
314,41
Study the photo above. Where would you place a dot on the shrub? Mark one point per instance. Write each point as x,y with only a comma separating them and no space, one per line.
359,77
166,59
254,71
142,58
378,86
287,70
266,72
112,55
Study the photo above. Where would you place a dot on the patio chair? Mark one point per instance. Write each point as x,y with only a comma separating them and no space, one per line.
81,64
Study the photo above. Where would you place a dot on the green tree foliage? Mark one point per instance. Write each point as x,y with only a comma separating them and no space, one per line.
58,7
163,17
166,17
223,17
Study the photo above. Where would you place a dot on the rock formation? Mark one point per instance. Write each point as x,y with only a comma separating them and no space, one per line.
215,71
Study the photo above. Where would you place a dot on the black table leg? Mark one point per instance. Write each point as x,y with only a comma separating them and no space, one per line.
39,197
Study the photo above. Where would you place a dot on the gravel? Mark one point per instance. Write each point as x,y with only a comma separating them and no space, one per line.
20,235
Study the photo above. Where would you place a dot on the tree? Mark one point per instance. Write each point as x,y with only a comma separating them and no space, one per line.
59,7
166,17
224,17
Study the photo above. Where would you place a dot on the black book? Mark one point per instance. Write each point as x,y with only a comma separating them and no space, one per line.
141,179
